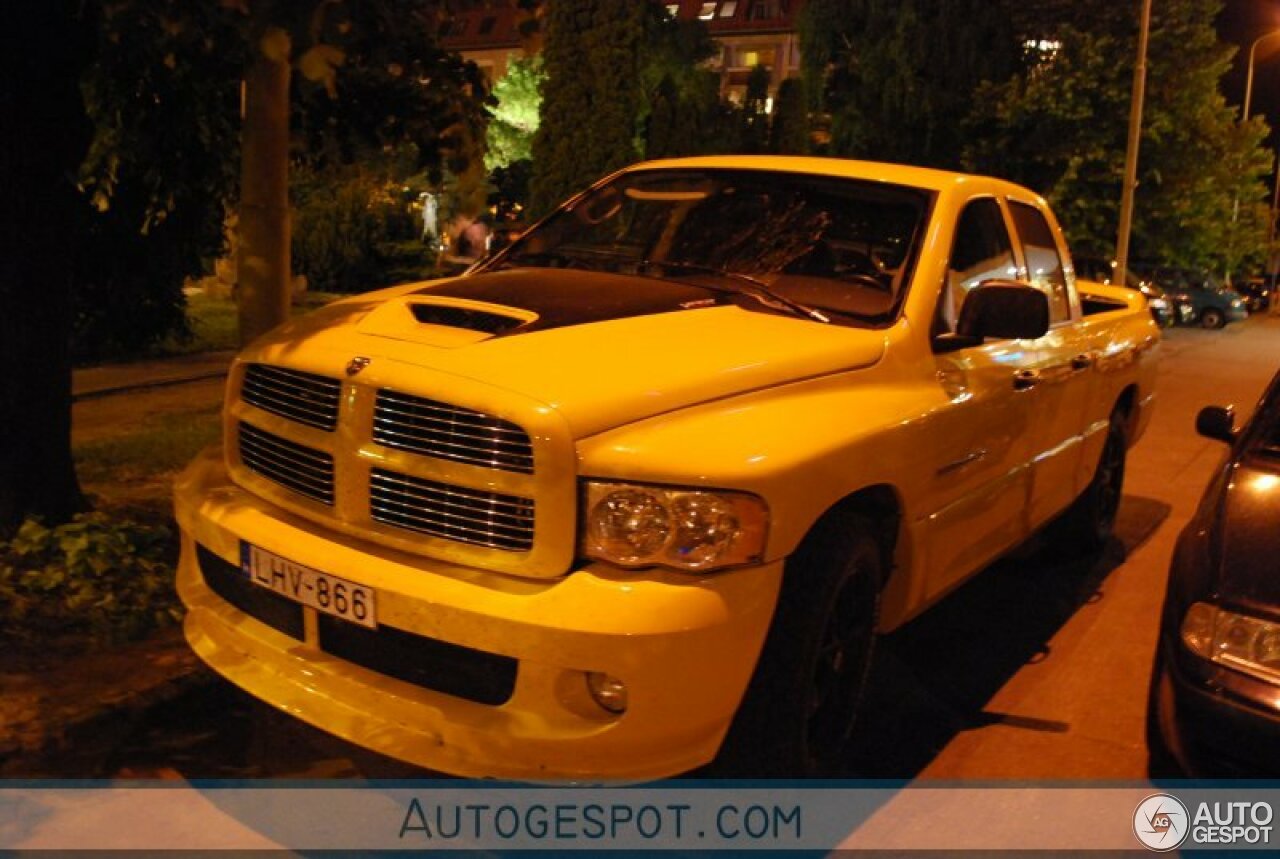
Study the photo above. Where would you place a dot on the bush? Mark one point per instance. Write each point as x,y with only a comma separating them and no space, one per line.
352,234
106,579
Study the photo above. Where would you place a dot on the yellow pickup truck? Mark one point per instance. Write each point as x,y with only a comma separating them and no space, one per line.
638,492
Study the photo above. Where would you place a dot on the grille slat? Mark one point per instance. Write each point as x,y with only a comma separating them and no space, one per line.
498,435
285,459
439,430
424,506
405,439
451,417
521,513
306,471
441,519
303,397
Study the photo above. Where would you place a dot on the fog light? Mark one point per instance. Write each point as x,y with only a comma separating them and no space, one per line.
609,692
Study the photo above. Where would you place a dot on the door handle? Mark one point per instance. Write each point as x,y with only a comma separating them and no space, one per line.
1025,380
1083,361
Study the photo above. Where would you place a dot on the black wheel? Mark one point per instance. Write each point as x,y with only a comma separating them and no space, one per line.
1212,317
1088,523
798,714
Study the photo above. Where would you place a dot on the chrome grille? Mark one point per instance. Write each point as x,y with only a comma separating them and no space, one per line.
452,512
448,432
303,397
304,470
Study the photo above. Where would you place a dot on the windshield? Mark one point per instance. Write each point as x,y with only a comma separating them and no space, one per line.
807,241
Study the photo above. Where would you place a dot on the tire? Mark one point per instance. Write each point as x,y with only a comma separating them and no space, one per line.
798,714
1088,523
1212,317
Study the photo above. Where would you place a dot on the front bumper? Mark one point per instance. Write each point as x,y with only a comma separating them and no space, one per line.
1215,722
1237,314
684,645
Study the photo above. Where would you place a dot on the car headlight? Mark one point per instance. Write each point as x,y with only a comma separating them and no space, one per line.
688,529
1159,304
1247,644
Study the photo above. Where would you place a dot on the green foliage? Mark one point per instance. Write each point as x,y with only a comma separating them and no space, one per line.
513,115
94,576
353,231
161,169
592,99
162,445
894,78
1062,129
789,129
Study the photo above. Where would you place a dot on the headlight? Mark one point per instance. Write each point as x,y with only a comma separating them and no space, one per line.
688,529
1247,644
1159,304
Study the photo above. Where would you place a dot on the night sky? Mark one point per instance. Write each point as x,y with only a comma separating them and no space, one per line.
1240,23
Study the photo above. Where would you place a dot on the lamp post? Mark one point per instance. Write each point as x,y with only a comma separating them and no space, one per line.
1244,117
1248,78
1131,151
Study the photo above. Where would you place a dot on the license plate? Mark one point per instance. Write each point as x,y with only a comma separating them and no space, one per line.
320,591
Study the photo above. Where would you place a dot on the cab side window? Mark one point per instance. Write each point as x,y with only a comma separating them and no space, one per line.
981,251
1044,265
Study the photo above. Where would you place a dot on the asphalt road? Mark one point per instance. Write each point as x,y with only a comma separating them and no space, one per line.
1037,668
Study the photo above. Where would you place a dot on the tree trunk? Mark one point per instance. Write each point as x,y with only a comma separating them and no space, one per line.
42,59
263,268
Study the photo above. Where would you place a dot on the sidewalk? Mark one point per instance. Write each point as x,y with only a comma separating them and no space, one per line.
92,382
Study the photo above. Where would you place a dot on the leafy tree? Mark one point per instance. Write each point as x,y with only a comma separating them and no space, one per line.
513,115
895,77
1061,128
789,129
592,97
755,115
153,142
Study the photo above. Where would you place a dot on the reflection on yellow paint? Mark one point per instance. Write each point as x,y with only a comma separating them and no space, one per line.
1264,483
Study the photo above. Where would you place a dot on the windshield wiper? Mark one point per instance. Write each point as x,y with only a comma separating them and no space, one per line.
759,290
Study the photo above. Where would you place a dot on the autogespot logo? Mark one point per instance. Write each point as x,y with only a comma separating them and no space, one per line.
1161,822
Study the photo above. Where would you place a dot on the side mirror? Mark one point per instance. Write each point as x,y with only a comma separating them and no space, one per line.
1217,423
1003,309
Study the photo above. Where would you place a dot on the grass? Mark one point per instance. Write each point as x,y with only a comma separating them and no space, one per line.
165,443
134,470
215,324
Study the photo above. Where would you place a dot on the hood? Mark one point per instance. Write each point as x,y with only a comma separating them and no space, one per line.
1250,540
603,350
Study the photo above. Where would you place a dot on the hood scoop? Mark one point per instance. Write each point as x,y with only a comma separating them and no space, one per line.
484,320
444,321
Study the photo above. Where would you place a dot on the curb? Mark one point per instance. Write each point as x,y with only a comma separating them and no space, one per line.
146,386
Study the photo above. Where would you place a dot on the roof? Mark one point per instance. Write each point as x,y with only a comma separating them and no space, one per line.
876,171
477,25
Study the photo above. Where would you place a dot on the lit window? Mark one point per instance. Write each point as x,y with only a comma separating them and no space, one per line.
751,58
708,12
727,8
673,10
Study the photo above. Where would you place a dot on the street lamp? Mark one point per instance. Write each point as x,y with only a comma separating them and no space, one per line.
1244,117
1248,80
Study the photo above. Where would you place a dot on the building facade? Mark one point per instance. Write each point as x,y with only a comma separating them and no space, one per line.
748,33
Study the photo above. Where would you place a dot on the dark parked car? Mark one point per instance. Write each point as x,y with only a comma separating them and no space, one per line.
1214,706
1201,299
1103,271
1256,292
